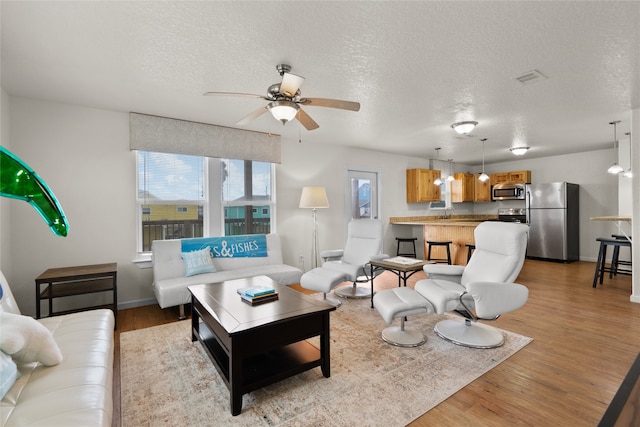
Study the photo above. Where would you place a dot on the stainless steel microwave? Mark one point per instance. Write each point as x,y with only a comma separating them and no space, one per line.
508,192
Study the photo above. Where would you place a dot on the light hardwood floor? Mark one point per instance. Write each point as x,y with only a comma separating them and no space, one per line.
584,341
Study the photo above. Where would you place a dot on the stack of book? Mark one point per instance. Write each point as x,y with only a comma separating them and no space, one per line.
257,294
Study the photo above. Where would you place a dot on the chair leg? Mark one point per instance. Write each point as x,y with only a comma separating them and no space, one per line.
603,262
598,262
613,271
401,337
331,301
448,254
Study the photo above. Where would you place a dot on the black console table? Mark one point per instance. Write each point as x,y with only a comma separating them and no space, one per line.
79,280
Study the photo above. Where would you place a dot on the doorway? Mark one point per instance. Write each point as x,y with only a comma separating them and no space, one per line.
362,194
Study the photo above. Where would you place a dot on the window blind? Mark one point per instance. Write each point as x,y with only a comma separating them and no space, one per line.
166,135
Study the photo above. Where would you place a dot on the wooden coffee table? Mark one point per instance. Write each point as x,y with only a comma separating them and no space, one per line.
254,346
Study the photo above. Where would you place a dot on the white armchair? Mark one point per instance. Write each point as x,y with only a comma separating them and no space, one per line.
364,243
481,290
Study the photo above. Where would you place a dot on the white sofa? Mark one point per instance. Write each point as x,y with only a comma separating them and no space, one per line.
169,273
77,391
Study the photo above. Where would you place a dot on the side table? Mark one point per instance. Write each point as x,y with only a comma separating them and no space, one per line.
403,268
79,280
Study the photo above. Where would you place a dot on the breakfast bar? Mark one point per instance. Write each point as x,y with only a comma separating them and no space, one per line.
457,229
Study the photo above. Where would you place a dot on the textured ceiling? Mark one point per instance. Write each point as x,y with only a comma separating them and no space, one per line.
415,67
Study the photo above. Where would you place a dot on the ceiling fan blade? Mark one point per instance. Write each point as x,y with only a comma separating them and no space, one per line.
246,95
331,103
306,121
247,119
290,84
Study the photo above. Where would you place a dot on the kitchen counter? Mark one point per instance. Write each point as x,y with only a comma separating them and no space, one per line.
440,222
610,218
464,220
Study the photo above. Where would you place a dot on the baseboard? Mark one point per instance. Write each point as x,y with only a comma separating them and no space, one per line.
137,303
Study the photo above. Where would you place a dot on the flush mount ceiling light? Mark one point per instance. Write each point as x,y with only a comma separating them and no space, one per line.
483,177
519,151
464,127
283,110
615,168
628,173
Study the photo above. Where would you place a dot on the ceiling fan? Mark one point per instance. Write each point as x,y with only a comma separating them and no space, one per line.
285,101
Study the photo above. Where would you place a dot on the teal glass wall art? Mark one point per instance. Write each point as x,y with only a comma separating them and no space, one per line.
19,181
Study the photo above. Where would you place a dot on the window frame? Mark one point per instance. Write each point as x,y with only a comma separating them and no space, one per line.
213,206
140,202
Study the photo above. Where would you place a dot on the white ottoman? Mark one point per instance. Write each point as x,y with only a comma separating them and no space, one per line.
323,280
399,303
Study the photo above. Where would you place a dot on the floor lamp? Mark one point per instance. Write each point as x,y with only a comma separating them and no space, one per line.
314,198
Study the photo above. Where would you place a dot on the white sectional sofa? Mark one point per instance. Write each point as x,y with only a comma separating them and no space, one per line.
169,273
74,391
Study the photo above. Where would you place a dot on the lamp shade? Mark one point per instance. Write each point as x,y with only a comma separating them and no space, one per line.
314,198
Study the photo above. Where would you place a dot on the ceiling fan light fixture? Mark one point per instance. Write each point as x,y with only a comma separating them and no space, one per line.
464,127
519,151
283,111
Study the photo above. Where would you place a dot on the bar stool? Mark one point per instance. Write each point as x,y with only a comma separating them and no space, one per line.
470,249
602,256
446,244
615,259
411,240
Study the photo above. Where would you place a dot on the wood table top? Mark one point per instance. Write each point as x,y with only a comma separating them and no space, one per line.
610,218
223,302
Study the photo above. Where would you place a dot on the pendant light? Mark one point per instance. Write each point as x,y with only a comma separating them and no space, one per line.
450,171
483,177
615,168
628,173
438,181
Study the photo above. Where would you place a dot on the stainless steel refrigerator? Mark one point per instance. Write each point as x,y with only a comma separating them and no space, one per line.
554,225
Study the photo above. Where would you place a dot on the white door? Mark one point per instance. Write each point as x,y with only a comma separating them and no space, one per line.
362,194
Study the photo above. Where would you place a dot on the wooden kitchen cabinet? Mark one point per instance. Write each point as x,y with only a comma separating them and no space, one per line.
468,188
463,188
421,187
499,178
517,177
482,190
520,177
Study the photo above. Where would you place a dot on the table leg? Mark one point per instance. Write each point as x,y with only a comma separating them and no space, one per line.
372,276
195,321
235,382
325,352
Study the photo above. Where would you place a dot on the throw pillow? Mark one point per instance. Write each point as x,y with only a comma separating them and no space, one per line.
8,373
198,262
26,340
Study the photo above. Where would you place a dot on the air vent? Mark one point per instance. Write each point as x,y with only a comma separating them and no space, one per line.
531,77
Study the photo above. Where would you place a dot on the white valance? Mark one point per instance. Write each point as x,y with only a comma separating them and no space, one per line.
165,135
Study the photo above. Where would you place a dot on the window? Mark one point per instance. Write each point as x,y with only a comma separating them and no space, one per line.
171,196
178,197
247,189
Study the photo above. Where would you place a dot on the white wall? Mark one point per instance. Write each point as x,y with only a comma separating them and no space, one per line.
5,225
83,155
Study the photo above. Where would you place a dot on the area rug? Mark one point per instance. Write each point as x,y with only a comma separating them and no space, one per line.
168,381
